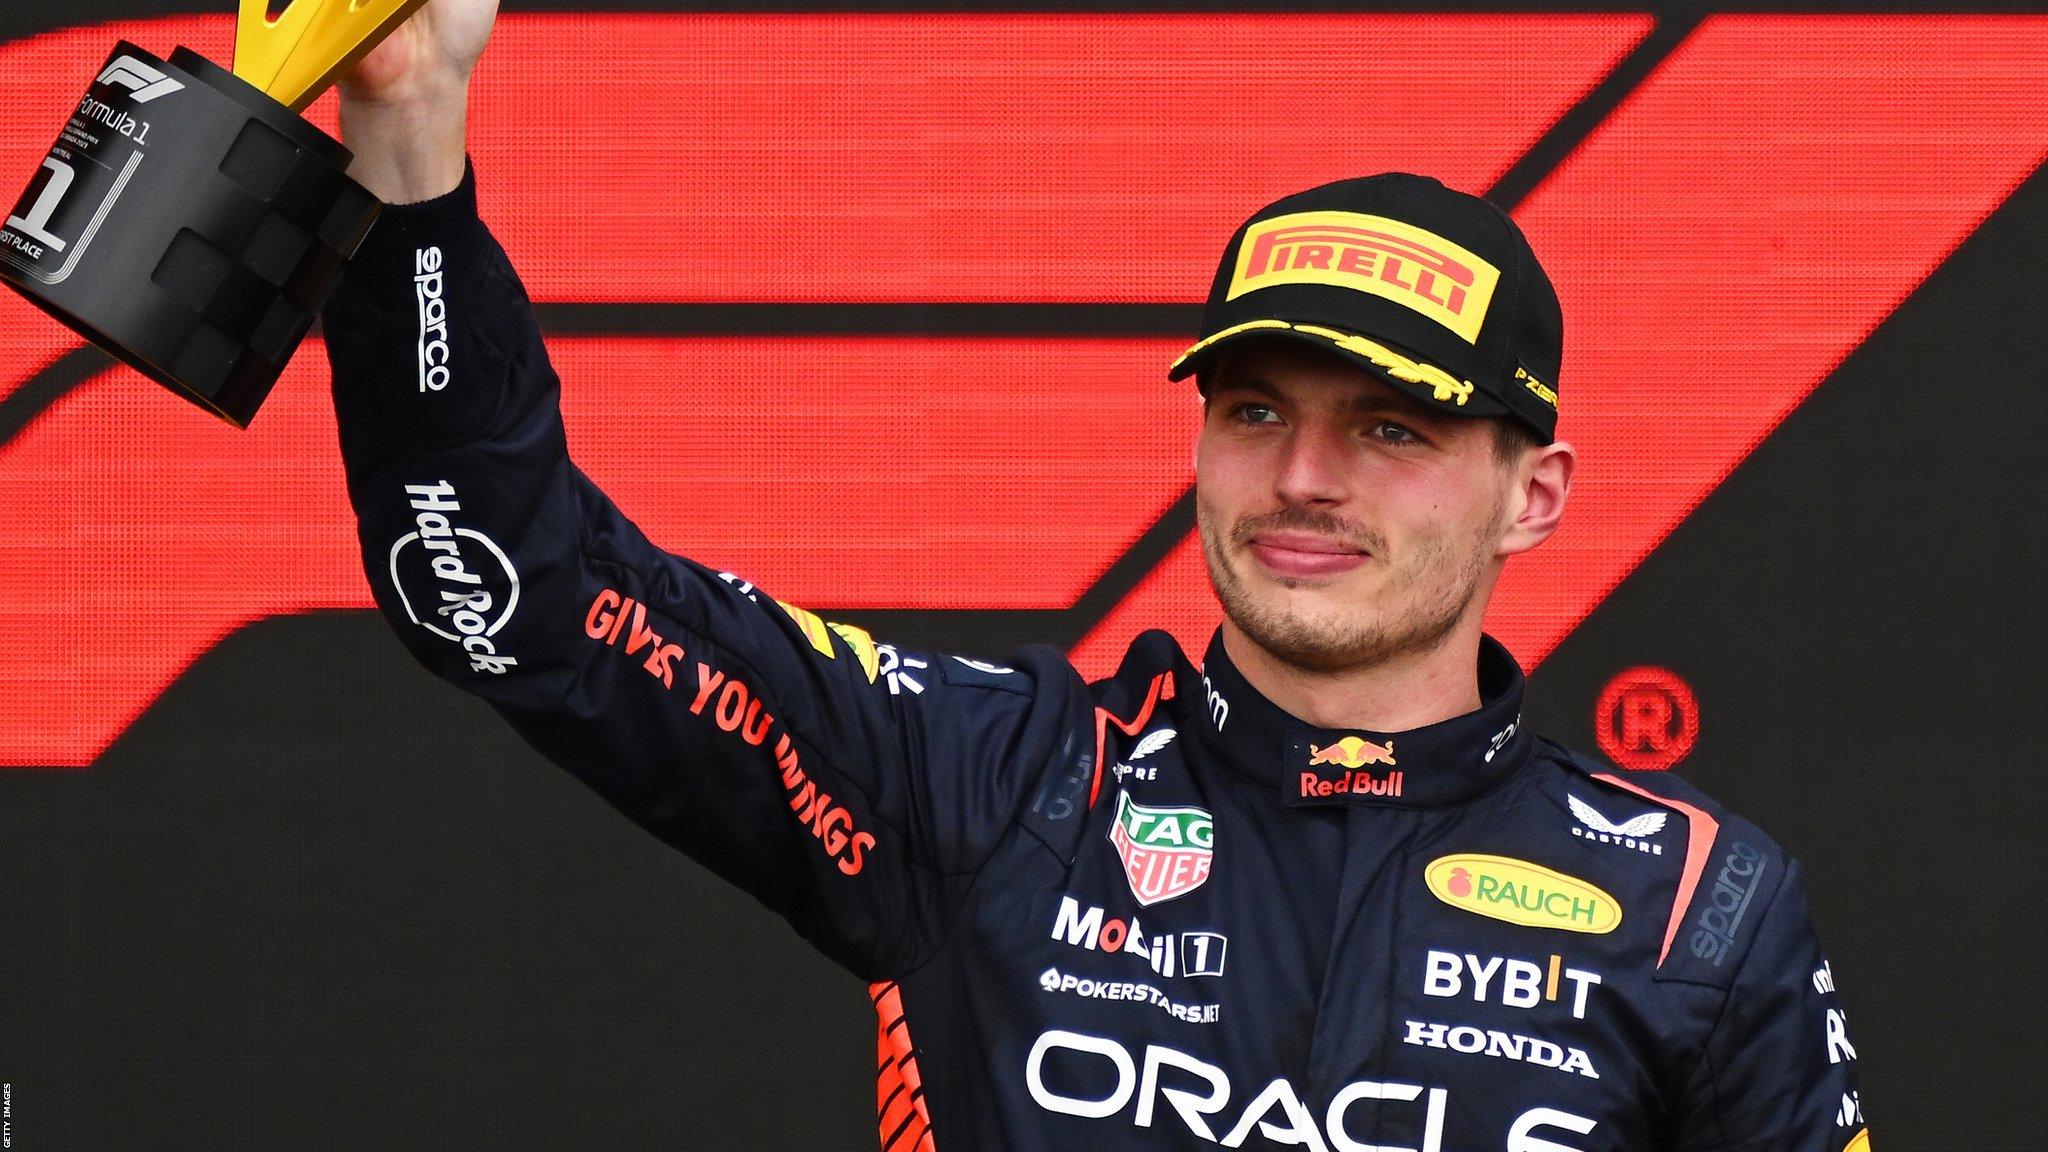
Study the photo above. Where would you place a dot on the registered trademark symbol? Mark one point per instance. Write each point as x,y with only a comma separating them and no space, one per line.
1647,719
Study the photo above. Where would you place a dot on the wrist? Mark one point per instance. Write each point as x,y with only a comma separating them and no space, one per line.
431,91
408,147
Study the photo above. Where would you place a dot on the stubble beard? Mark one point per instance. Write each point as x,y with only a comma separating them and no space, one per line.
1444,577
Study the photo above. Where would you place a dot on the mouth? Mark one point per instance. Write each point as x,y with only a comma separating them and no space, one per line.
1298,556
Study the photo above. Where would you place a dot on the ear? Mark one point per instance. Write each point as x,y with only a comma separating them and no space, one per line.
1543,481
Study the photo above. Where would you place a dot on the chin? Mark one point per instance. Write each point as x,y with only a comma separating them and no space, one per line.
1345,597
1307,631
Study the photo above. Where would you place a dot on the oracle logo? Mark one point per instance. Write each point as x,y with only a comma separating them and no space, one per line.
1096,1077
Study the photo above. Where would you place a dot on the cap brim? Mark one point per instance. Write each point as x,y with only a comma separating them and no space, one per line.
1422,381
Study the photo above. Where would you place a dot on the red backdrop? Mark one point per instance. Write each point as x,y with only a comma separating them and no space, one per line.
1721,241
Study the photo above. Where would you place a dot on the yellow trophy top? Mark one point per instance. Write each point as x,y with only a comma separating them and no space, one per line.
306,49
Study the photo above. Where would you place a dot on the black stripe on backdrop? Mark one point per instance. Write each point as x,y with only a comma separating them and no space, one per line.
21,18
49,384
1180,321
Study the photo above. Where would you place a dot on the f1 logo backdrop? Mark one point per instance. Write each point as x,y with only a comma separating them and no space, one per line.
869,306
816,255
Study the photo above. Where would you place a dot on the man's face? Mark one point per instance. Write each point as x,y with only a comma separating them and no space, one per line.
1343,522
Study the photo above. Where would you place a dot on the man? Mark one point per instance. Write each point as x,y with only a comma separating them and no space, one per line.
1323,891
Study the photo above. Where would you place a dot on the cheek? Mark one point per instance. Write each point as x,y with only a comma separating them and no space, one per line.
1439,508
1225,475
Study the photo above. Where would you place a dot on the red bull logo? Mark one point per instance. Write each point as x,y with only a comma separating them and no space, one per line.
1352,752
1351,784
1395,261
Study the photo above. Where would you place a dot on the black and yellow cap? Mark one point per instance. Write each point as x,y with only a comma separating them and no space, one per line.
1433,290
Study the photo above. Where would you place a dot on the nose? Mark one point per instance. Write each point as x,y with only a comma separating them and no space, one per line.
1313,466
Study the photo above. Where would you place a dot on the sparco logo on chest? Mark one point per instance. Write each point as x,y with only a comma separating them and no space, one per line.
454,582
1166,851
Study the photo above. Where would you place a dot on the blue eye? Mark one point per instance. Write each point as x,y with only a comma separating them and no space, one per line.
1254,414
1395,433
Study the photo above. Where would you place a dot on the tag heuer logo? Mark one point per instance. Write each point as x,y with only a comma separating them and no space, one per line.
1166,851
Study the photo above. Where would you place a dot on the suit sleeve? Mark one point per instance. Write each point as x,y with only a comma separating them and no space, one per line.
850,786
1778,1073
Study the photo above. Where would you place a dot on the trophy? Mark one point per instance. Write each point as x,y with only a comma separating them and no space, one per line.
188,220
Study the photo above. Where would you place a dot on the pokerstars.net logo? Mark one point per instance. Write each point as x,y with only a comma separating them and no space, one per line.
1167,851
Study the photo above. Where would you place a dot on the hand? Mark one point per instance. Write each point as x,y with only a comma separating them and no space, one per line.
404,106
428,57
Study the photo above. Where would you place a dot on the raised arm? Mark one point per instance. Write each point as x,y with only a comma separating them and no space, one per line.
772,746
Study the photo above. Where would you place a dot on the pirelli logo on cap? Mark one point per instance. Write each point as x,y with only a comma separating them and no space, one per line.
1395,261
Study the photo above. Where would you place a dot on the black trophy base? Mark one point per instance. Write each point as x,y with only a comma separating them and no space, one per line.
190,225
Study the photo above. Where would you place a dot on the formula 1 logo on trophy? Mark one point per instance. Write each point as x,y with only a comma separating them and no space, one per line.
188,219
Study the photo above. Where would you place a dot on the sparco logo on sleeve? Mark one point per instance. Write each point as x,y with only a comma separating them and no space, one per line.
1727,903
433,342
454,582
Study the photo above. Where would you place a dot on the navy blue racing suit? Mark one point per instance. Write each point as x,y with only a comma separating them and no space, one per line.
1151,912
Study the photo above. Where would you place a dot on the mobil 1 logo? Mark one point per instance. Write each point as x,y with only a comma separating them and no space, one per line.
454,581
1184,953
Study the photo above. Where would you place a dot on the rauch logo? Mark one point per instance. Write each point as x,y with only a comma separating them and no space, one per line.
1166,851
1521,893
